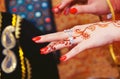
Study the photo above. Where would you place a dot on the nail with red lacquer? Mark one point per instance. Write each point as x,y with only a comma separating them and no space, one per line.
66,12
43,50
73,10
63,58
35,39
56,9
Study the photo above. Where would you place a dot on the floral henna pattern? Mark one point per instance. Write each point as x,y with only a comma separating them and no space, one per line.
84,33
91,27
102,24
54,45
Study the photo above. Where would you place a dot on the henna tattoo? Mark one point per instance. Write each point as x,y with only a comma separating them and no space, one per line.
53,46
102,24
93,26
116,23
85,35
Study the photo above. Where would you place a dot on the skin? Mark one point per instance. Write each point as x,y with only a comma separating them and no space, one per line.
92,6
85,37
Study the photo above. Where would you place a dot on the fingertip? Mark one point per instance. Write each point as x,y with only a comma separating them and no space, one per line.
43,50
56,9
63,58
35,39
73,10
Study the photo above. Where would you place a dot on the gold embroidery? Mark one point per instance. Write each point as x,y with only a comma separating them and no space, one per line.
14,19
16,23
0,22
22,63
9,63
0,34
8,41
28,69
0,74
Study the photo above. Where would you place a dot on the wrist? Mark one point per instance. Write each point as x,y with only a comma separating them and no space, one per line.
116,5
116,30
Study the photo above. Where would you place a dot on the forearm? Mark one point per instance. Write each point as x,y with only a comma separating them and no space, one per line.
116,24
115,31
116,5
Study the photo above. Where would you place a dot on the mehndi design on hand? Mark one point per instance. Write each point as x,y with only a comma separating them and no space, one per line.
85,37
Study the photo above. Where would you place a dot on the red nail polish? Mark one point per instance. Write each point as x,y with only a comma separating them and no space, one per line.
36,38
56,9
63,58
66,12
73,10
43,50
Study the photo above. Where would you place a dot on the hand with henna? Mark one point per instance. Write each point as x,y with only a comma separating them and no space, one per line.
80,38
93,7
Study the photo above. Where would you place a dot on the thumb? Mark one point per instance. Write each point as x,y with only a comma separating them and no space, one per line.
77,9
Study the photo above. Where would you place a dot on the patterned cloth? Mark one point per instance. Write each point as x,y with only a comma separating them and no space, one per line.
36,11
27,62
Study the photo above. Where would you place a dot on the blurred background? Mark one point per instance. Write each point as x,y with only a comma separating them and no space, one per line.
89,64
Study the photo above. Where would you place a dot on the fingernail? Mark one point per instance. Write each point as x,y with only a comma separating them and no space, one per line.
56,9
66,12
36,38
43,50
73,10
63,58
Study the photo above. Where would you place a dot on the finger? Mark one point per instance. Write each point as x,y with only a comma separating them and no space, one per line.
66,11
53,46
61,6
77,49
50,37
54,36
69,33
65,3
77,9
